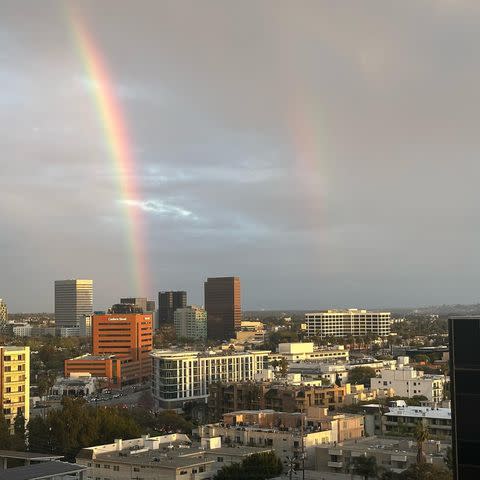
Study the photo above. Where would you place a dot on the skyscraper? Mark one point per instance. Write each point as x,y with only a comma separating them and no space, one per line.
224,310
168,302
465,388
3,314
73,299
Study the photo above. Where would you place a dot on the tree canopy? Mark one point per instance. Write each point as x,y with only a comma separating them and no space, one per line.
259,466
361,375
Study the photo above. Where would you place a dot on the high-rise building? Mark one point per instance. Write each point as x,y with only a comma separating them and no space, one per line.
342,323
168,302
15,382
191,323
121,346
3,314
465,388
150,306
223,306
137,301
73,300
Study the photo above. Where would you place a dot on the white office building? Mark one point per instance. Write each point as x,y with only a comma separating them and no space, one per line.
342,323
190,322
179,377
22,329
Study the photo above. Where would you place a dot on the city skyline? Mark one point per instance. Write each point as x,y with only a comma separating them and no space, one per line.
290,146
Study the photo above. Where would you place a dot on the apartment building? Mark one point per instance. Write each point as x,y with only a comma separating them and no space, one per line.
351,322
3,314
395,454
250,332
408,382
282,397
404,420
15,382
190,322
166,457
181,376
285,433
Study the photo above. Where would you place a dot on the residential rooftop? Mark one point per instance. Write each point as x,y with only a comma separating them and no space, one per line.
420,412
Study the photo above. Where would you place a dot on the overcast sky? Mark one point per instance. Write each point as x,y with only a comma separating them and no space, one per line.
326,152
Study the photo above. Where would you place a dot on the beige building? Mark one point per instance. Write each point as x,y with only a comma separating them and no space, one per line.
250,332
15,382
306,351
285,433
166,457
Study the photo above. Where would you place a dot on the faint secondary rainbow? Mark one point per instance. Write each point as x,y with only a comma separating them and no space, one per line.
117,139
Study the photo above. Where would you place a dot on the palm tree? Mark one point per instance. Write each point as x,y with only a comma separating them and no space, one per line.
421,435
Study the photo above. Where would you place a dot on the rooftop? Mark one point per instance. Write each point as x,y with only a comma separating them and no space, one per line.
210,353
420,412
39,471
89,356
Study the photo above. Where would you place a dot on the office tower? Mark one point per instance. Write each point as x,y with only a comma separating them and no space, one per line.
340,323
137,301
73,300
15,382
222,303
464,333
191,323
121,347
3,314
168,302
85,326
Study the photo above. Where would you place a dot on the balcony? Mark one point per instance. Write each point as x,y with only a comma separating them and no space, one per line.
335,464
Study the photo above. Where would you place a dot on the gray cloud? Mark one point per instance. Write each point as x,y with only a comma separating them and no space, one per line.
326,152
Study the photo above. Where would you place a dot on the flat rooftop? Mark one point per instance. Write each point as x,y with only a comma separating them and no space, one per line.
219,353
420,412
39,471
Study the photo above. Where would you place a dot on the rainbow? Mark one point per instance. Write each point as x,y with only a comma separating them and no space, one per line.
115,130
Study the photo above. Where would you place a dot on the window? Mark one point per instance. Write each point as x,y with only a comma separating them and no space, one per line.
136,469
183,472
116,468
219,459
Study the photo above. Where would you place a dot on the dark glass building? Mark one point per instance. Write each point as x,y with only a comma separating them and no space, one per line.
465,387
168,302
223,306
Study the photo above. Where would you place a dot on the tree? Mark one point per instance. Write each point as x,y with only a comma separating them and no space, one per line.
259,466
283,366
5,437
421,435
361,375
424,471
19,436
365,467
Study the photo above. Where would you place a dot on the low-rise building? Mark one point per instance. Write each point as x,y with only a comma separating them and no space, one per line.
250,332
182,376
408,382
395,454
301,351
77,385
403,420
166,457
286,433
22,329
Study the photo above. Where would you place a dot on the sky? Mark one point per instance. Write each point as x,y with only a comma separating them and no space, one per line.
325,152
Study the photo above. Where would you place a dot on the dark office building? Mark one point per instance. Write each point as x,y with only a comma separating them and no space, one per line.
168,302
140,302
465,388
150,306
223,306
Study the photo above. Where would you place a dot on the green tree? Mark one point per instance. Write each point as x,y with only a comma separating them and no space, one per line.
19,434
283,366
366,467
361,375
425,471
259,466
5,436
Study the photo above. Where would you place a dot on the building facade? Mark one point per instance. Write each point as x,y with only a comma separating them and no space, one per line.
121,347
408,382
464,333
168,302
140,302
179,377
15,382
191,323
281,397
223,306
3,314
306,351
73,299
352,322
